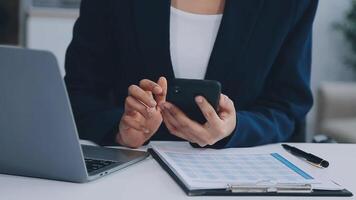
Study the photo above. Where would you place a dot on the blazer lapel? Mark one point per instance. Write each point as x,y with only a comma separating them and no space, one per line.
235,31
152,30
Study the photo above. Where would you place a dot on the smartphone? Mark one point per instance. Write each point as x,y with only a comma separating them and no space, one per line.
182,93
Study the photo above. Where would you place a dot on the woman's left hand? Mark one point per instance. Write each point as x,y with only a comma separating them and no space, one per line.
218,126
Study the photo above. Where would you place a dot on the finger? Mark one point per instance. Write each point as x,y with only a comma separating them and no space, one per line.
130,112
226,105
175,127
181,133
130,122
142,96
169,118
200,136
131,104
177,114
208,111
173,130
151,86
162,82
138,118
189,127
131,138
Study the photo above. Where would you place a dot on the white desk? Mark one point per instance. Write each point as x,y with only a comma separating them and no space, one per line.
146,180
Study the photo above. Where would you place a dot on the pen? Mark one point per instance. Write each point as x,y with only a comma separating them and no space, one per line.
310,158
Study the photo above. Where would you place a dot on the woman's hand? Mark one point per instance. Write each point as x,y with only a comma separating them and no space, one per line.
142,116
218,126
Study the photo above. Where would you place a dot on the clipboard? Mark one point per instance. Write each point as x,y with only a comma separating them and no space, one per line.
254,192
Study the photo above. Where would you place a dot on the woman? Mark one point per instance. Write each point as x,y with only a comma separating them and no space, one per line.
259,50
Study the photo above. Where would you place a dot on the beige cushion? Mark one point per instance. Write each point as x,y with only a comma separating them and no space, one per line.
342,130
338,99
335,100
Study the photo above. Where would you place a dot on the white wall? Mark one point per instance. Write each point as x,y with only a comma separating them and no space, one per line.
51,30
329,48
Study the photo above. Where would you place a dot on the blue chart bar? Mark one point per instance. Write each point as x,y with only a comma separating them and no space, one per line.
291,166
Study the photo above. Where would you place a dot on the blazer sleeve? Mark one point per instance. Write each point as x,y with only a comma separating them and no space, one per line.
286,97
90,75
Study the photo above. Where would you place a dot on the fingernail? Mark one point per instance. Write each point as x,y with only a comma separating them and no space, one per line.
199,99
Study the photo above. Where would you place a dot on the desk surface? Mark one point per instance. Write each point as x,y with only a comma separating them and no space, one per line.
146,180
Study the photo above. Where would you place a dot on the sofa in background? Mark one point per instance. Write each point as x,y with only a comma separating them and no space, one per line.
336,111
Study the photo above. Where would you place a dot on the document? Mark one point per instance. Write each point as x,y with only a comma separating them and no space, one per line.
219,169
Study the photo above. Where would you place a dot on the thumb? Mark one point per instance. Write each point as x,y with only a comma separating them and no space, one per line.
162,82
226,105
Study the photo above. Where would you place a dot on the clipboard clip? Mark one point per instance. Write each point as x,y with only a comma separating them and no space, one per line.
268,186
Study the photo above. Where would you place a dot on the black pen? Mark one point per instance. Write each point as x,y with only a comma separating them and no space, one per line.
310,158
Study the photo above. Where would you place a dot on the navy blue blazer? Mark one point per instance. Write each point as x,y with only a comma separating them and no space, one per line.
262,57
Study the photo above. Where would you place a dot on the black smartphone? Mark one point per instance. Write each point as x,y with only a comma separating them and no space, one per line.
182,93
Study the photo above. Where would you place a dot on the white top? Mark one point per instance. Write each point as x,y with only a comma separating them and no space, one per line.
192,38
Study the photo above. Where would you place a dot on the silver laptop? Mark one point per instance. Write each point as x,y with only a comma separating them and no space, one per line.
38,135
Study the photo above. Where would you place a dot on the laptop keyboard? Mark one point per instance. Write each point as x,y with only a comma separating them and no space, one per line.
93,165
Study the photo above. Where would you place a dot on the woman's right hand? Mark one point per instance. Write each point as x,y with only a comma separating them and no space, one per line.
142,117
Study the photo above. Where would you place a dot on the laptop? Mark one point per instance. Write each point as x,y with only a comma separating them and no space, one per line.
38,135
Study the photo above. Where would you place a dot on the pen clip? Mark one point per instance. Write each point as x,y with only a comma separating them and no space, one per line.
314,164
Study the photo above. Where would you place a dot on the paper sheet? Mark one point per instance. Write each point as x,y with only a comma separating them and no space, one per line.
208,168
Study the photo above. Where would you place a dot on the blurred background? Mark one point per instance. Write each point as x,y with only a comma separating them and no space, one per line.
47,25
